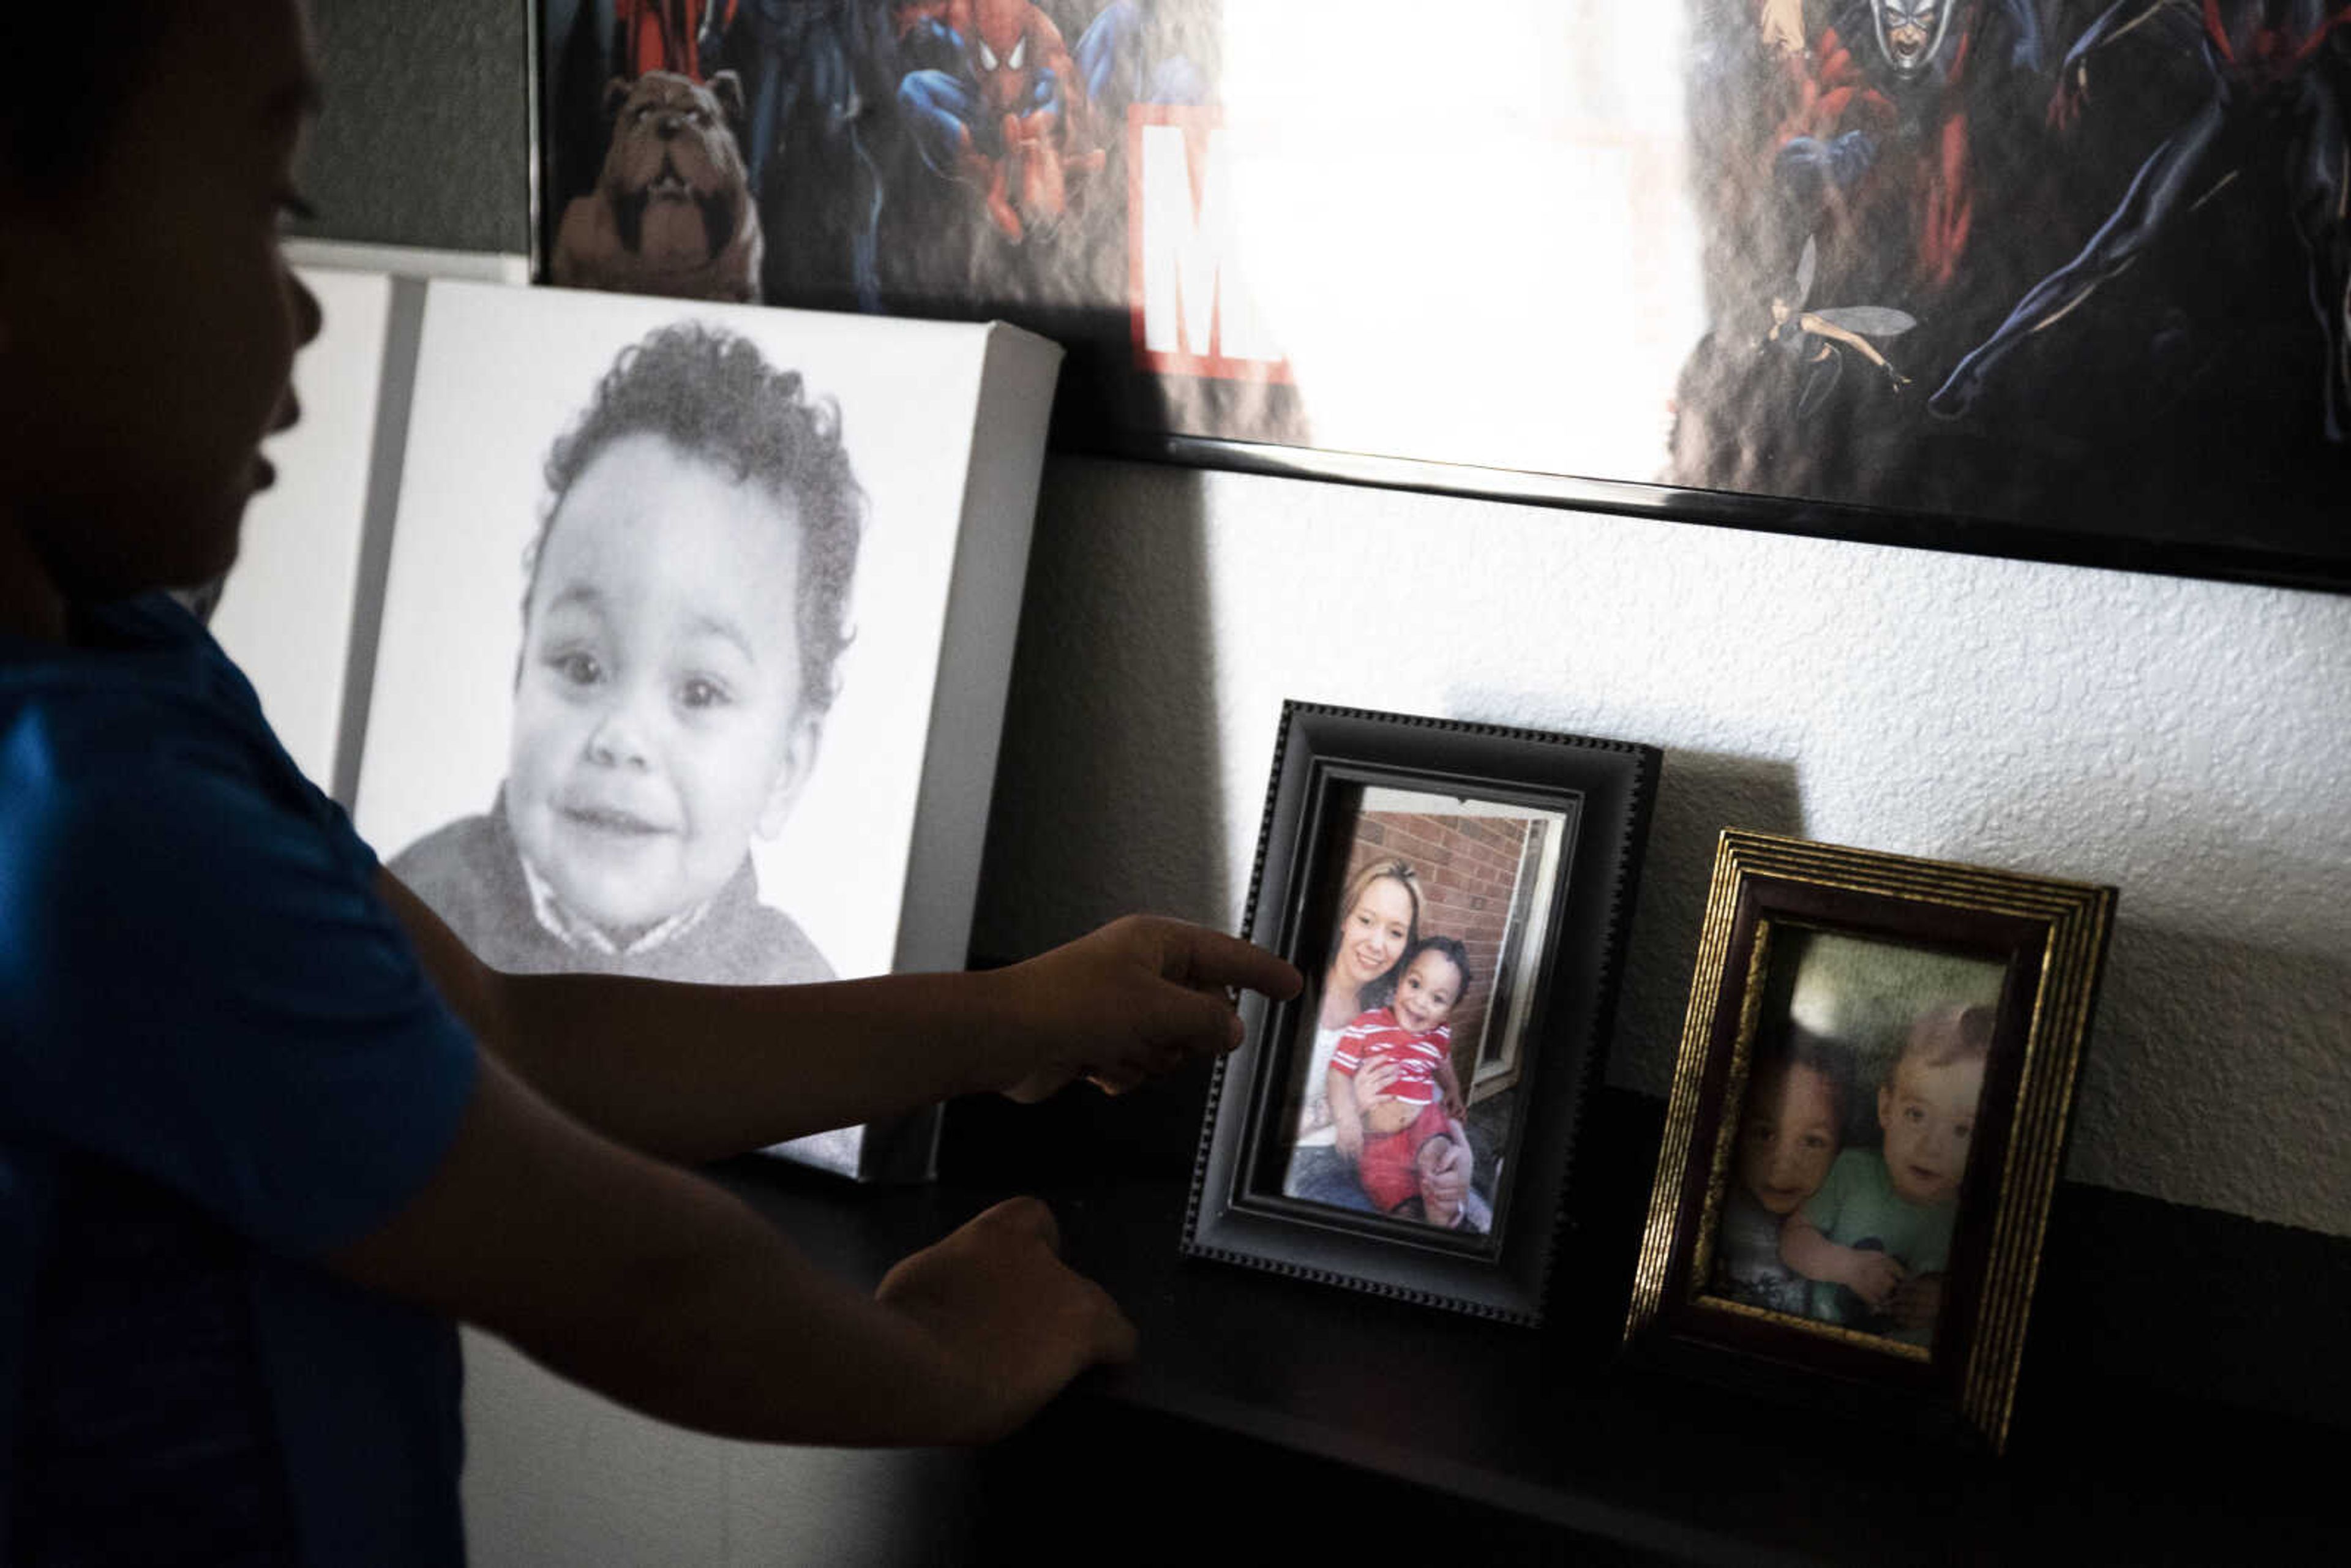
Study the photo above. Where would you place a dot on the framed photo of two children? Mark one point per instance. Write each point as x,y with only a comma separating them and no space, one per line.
1876,1077
1456,895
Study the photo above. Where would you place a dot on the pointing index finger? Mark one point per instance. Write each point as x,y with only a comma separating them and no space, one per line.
1213,960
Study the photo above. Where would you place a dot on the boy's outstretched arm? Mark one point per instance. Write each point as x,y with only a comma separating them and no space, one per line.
1872,1276
660,1291
696,1072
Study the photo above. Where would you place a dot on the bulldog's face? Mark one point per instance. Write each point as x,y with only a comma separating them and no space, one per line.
675,173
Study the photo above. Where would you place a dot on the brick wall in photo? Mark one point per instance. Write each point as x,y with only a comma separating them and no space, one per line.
1468,867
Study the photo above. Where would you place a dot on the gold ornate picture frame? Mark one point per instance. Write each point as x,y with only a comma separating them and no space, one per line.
1868,1114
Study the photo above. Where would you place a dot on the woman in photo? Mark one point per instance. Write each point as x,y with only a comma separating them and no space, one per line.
1379,919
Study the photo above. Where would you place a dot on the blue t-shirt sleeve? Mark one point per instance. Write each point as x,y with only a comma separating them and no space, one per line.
198,980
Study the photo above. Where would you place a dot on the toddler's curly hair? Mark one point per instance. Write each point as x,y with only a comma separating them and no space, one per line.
712,394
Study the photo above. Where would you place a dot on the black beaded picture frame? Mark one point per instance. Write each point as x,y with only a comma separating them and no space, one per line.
1458,895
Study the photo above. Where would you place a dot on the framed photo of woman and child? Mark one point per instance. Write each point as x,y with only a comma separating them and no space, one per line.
1865,1128
1456,896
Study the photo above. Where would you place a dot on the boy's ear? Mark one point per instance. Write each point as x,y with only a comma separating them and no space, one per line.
727,88
800,761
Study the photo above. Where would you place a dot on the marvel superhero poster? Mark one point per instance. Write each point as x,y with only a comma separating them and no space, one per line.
2063,278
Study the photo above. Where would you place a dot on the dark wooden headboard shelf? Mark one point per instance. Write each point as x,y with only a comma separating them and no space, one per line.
2184,1369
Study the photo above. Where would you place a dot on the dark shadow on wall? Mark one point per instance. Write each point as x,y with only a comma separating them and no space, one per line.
1699,794
1108,788
2217,1073
426,139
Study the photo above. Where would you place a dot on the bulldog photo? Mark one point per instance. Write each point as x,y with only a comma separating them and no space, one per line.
671,212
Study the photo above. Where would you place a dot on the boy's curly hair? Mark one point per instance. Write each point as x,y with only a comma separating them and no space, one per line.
1452,950
714,396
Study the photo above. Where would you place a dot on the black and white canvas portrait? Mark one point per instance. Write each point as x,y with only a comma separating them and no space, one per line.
663,627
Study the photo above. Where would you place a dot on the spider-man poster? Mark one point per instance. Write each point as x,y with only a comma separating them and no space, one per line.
2069,278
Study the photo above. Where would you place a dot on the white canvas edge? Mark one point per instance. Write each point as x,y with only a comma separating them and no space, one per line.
292,606
975,679
410,261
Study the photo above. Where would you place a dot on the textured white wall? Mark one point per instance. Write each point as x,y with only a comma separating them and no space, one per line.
555,1475
2189,741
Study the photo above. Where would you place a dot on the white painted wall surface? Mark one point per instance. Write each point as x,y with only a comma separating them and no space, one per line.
2189,741
556,1475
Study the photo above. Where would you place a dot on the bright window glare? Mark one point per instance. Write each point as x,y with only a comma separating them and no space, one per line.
1470,229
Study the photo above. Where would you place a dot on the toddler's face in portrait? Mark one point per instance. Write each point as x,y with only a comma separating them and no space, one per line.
1929,1117
1787,1136
1426,992
658,718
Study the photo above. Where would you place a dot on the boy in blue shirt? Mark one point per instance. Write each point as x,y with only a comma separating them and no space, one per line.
266,1129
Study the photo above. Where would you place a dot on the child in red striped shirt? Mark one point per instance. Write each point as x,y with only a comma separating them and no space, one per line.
1406,1124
